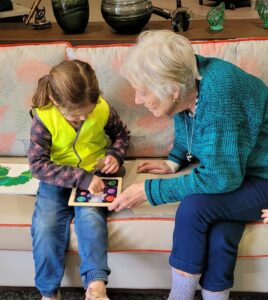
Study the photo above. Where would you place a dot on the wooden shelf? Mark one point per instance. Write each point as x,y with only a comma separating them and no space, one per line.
101,33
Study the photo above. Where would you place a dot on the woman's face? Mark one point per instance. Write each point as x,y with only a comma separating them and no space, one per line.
159,108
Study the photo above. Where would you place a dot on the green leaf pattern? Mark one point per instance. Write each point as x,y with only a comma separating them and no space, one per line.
5,180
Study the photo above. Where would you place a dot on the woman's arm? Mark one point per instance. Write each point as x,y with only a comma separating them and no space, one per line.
222,167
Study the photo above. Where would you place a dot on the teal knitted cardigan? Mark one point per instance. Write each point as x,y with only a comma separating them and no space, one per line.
230,137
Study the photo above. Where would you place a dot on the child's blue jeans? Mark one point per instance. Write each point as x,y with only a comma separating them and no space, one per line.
208,228
50,238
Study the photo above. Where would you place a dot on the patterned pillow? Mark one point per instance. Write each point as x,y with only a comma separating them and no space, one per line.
248,54
150,136
21,67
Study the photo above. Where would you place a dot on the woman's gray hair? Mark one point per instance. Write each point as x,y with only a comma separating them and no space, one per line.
160,62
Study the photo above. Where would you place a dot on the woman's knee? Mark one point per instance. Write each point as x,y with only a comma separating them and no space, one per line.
193,207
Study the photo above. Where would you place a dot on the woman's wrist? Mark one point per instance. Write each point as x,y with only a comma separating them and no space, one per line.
174,167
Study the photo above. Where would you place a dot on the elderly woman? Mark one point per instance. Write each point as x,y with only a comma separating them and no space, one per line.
221,118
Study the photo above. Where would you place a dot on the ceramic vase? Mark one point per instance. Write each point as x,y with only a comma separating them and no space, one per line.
71,15
261,7
126,16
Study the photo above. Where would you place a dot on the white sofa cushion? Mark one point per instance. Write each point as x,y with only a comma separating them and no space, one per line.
144,229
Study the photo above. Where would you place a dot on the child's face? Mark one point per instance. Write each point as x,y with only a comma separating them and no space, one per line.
75,116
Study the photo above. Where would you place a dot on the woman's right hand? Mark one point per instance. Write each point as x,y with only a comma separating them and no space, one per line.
264,215
154,167
133,196
96,185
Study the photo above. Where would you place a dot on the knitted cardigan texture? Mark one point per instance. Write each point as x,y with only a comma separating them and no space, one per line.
230,135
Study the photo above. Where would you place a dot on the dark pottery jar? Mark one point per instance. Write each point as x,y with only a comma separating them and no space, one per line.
71,15
126,16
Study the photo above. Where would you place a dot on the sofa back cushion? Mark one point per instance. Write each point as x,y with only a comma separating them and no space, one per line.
21,67
150,136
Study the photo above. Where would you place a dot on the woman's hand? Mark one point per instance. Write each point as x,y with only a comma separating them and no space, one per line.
265,215
154,167
96,185
132,197
111,165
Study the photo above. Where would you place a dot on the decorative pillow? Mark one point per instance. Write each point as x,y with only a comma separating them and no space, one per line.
248,54
21,67
150,136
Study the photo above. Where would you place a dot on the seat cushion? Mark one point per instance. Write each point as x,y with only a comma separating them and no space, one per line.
143,229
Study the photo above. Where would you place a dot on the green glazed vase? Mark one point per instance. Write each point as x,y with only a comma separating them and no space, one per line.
261,7
215,17
71,15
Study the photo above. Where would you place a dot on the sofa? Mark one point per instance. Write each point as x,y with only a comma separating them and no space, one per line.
140,239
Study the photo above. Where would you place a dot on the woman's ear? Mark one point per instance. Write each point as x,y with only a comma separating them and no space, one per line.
176,92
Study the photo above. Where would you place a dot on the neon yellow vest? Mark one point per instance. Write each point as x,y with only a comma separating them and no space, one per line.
78,149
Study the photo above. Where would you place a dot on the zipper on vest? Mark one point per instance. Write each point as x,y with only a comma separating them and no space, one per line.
75,140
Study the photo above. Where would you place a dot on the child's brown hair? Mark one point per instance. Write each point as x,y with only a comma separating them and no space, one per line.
70,84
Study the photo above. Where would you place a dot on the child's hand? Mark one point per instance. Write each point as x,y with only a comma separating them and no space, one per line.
96,185
265,215
111,165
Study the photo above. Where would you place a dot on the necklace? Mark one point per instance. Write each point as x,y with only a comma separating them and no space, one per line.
189,138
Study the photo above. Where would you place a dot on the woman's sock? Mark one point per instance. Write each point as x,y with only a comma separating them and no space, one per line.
223,295
183,287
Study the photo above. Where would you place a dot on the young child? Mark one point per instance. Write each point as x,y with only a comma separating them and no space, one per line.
68,139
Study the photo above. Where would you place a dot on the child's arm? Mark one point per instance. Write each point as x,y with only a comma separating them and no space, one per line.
119,136
46,170
265,215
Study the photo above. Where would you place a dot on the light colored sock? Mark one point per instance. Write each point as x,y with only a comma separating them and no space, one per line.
183,287
58,297
222,295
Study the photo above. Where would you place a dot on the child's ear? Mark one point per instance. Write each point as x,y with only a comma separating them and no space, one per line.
53,100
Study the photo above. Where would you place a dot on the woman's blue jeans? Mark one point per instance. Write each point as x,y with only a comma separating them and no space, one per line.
208,229
50,238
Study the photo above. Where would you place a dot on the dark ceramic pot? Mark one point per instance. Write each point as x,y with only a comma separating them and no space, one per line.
71,15
126,16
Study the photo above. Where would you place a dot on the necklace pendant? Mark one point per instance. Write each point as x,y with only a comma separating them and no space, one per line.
189,156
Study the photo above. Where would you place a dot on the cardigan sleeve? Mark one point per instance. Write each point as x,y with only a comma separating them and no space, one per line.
221,169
